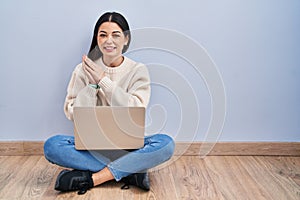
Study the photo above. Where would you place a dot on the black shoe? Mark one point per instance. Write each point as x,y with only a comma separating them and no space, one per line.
74,180
140,180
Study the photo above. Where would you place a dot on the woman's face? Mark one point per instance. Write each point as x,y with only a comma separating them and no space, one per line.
111,39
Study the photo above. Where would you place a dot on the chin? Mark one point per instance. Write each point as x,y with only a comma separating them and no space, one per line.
112,54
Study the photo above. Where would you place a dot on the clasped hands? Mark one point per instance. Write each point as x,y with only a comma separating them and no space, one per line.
92,70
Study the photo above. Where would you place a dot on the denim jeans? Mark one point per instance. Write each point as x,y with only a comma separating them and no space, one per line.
158,148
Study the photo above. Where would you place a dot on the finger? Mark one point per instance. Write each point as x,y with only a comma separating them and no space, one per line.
90,63
89,75
84,58
93,69
96,75
88,69
83,62
91,79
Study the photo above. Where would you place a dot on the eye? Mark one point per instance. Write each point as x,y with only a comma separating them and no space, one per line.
116,35
102,35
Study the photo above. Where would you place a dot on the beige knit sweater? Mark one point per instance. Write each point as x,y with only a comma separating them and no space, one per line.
125,85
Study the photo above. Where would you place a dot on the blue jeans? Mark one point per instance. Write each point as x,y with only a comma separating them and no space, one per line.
158,148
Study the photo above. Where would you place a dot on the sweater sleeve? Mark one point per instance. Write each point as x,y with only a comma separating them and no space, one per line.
79,93
136,94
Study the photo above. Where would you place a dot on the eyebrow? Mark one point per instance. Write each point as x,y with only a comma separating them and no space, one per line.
112,32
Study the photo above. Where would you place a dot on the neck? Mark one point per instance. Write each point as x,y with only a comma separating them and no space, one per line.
113,61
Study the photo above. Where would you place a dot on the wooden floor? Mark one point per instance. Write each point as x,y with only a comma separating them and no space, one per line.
186,177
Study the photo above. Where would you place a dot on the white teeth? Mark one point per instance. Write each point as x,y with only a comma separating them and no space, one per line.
109,48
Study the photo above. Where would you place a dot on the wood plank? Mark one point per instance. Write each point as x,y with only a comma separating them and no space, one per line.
282,172
33,148
11,149
234,179
162,184
50,193
192,181
185,149
241,148
8,167
186,177
19,179
40,176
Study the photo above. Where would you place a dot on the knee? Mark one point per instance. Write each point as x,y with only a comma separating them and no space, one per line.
51,146
170,146
167,145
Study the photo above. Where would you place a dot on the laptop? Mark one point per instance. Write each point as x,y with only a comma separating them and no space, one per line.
106,127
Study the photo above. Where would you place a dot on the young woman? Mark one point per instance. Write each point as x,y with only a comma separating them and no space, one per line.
107,78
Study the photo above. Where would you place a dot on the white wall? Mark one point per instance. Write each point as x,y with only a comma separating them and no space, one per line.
255,45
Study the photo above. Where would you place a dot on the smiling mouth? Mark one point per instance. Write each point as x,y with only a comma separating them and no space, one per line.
109,48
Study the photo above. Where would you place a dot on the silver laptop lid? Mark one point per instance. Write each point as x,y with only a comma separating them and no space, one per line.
106,127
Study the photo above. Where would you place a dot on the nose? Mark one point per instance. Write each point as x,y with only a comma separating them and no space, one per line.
109,39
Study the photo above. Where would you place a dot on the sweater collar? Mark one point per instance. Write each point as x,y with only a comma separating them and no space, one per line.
112,69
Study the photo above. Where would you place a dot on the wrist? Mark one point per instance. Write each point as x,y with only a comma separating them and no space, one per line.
95,86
